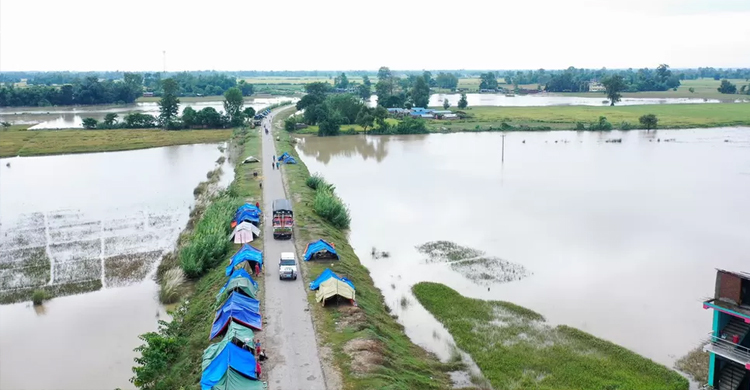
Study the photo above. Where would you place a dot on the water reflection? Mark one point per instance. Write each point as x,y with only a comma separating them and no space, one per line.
622,238
322,149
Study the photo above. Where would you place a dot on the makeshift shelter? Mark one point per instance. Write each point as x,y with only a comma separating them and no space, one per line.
320,249
334,288
251,216
240,309
289,160
220,361
328,274
283,156
247,254
236,273
240,285
233,380
244,233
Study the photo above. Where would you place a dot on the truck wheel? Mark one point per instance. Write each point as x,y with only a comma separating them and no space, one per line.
295,277
280,278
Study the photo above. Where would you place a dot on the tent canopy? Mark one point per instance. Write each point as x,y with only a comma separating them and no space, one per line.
233,380
234,331
229,357
239,284
283,156
333,287
246,253
239,272
247,215
290,160
320,246
328,274
243,233
238,308
248,206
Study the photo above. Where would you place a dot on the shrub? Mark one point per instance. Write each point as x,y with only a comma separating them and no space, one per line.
626,126
171,283
603,124
317,181
506,126
331,208
39,296
580,126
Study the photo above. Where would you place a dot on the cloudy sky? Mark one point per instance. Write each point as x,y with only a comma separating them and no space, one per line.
337,34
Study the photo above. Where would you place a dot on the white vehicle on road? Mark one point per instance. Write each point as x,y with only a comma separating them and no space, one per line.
287,266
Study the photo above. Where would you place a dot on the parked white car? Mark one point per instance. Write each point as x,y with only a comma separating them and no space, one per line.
287,266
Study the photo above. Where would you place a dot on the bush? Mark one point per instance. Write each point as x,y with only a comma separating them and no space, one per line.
580,126
39,296
506,126
626,126
331,208
603,124
316,181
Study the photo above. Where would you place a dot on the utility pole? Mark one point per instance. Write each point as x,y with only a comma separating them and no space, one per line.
164,60
502,158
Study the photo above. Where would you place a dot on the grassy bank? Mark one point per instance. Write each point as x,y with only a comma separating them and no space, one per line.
172,358
702,89
515,349
22,142
391,360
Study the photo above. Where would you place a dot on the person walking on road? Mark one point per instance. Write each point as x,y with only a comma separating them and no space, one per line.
273,165
277,165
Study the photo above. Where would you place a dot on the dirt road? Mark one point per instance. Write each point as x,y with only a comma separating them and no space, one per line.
294,362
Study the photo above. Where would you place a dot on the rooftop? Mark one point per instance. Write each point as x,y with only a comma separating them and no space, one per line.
742,312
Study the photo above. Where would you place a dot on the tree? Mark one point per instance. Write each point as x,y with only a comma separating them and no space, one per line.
727,87
691,89
110,119
331,124
614,85
428,78
189,117
463,103
89,123
420,92
169,104
249,112
366,81
488,81
363,91
649,121
246,88
365,118
385,87
446,80
446,104
380,115
233,102
137,120
341,81
210,118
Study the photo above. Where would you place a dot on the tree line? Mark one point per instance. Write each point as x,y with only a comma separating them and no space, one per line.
577,80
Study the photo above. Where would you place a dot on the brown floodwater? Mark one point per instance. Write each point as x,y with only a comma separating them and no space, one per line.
620,239
96,224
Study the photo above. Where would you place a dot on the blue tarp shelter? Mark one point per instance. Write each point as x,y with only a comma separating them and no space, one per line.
289,160
246,253
320,246
240,309
248,207
283,156
325,275
247,215
231,357
236,273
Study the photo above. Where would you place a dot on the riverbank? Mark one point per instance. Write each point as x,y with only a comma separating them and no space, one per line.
172,356
368,345
19,141
515,348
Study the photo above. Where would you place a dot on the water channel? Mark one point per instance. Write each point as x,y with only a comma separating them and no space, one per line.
621,238
98,223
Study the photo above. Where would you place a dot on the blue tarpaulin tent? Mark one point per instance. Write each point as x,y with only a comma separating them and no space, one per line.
318,247
289,160
325,275
283,156
231,357
246,253
247,215
236,273
240,309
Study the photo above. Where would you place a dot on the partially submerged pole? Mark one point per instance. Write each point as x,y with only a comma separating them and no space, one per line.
502,158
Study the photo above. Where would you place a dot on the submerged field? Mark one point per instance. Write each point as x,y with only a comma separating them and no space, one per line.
18,141
516,349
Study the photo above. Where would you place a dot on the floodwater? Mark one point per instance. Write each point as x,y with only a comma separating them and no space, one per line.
621,239
69,117
101,219
544,99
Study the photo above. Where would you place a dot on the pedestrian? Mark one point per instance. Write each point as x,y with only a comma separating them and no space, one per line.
261,185
257,205
274,157
273,165
257,272
257,344
257,368
262,355
277,165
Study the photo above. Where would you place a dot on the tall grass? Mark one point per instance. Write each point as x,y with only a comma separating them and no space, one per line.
331,208
317,181
209,245
172,282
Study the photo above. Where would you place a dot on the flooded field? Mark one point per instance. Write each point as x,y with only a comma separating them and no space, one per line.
72,116
619,239
95,225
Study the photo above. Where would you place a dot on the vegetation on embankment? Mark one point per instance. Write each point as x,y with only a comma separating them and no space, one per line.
514,348
171,357
19,141
391,360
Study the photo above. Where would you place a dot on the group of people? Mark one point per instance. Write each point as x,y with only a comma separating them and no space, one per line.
260,354
274,163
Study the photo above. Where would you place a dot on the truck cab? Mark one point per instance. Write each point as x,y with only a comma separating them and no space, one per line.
287,266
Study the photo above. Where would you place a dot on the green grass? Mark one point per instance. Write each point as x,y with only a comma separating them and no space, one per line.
404,365
23,142
515,349
344,128
703,89
182,367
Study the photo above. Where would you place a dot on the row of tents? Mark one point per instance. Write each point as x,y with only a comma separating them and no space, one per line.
328,285
229,363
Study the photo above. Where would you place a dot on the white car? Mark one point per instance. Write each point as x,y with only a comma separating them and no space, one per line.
287,266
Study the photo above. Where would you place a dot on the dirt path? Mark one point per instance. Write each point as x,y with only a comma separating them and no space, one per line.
294,362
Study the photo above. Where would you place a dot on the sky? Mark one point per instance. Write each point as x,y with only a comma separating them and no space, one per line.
82,35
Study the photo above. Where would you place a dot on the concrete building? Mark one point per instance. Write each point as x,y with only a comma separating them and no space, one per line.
729,341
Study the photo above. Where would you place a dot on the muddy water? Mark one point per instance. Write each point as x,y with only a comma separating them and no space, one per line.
100,222
621,239
72,116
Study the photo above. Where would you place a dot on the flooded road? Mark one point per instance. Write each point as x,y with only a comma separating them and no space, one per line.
620,239
95,224
69,117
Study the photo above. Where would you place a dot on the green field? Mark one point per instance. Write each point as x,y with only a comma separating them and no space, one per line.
703,89
18,141
397,364
516,349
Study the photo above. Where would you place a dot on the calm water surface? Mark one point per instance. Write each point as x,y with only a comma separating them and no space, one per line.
622,238
72,116
94,215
